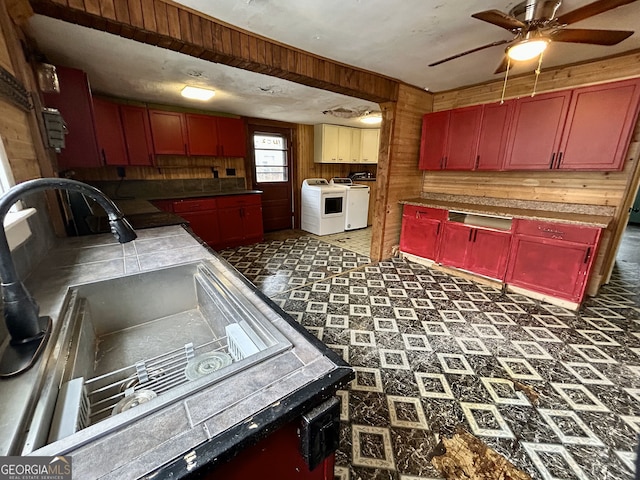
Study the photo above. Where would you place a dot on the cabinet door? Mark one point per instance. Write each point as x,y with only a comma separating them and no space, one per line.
433,140
204,224
137,134
231,137
326,143
355,146
488,253
456,240
109,131
202,134
344,144
168,132
555,267
231,219
252,223
462,138
420,236
76,107
369,145
599,125
536,131
493,136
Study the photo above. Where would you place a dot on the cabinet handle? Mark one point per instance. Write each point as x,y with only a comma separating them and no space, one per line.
444,165
438,229
553,157
477,162
104,157
475,235
559,160
470,234
186,150
587,256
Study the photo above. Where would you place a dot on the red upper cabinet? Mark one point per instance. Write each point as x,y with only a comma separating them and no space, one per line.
433,140
536,131
202,132
599,126
493,137
462,138
76,106
231,137
169,134
109,132
137,135
450,138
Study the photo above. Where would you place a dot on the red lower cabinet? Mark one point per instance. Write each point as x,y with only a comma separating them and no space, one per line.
421,231
553,259
477,250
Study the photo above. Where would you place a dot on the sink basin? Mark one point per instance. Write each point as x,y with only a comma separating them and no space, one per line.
133,344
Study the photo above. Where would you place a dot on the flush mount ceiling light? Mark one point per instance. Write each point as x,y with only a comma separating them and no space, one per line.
527,49
197,93
372,118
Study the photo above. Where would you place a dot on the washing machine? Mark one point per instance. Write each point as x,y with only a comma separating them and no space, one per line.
322,207
356,211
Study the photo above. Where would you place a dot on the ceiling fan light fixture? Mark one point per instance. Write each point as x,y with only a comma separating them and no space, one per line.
197,93
527,49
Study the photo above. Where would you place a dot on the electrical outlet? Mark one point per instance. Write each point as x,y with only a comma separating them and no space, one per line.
120,171
231,172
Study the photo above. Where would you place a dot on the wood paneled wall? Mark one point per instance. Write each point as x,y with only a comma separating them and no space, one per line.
398,175
591,188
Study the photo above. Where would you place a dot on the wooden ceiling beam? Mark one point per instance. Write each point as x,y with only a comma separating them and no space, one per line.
168,25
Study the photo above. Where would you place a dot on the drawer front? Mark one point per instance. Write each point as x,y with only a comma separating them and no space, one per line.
194,205
239,201
424,212
558,231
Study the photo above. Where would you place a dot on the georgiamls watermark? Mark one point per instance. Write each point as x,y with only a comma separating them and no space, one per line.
35,468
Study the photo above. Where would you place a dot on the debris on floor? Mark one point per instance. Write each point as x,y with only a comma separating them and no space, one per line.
466,457
531,394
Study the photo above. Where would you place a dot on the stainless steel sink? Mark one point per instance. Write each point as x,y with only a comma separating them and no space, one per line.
131,345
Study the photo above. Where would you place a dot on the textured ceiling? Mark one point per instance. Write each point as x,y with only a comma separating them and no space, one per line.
395,38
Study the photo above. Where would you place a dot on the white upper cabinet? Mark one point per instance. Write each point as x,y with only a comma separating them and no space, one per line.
337,144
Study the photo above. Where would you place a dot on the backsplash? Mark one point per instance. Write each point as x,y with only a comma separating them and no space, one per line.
149,189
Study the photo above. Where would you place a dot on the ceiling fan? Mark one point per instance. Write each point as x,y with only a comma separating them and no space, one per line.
535,25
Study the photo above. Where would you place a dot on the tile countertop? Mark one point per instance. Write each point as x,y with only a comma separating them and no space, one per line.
247,406
587,215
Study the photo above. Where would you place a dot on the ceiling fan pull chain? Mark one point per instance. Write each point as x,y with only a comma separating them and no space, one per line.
506,75
535,84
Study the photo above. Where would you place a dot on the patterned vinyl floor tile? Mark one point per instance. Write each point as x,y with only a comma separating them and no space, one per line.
434,353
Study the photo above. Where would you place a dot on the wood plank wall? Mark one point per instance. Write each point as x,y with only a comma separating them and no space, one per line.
15,129
592,188
173,26
398,175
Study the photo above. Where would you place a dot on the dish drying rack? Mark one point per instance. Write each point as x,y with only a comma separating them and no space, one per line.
83,403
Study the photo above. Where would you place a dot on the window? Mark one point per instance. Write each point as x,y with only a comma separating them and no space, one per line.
15,223
271,158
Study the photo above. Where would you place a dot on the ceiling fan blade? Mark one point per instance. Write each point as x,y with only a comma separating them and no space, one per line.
503,65
590,10
594,37
501,19
473,50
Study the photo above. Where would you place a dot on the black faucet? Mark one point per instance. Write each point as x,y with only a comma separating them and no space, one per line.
29,332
